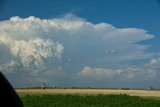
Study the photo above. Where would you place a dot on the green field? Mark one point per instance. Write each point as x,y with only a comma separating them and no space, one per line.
75,100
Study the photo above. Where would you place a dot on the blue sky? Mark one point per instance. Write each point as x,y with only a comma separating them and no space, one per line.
95,56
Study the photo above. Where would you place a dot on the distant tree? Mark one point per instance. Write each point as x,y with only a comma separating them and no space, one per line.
44,86
152,88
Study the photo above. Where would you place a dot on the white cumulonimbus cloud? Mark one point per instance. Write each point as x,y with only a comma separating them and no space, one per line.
41,48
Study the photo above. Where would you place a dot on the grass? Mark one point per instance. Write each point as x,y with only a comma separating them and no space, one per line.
69,100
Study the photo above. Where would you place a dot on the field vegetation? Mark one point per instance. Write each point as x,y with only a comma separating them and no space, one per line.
78,100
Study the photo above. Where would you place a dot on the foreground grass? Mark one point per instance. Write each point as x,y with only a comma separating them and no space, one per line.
69,100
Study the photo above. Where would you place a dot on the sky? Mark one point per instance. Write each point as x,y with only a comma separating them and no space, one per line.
95,43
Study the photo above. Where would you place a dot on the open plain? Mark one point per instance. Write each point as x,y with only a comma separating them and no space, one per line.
142,93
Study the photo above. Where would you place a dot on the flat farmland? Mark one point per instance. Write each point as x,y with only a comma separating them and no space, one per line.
89,98
142,93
